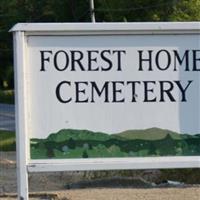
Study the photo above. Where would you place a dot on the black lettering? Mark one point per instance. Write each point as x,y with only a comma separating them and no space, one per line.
99,92
119,52
133,84
167,91
56,60
195,60
180,60
106,59
43,59
92,60
58,88
148,90
117,91
157,60
80,91
149,60
183,90
76,57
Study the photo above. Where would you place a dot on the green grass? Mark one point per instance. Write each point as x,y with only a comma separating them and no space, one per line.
7,96
7,141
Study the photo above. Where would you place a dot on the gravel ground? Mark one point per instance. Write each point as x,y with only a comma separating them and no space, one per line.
132,194
192,193
66,186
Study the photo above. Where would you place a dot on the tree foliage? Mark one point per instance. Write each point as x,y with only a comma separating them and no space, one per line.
148,10
14,11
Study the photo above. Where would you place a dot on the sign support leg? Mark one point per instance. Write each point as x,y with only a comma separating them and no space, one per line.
22,181
20,115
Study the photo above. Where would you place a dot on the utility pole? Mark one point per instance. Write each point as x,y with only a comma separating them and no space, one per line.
92,12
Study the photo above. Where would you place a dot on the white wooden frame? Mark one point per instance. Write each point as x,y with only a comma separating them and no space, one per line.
24,164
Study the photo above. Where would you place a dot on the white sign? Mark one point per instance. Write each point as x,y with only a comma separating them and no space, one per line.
107,96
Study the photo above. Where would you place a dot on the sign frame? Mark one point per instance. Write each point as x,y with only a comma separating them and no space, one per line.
24,164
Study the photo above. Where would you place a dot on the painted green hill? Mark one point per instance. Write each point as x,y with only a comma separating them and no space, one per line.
143,134
152,134
66,134
73,143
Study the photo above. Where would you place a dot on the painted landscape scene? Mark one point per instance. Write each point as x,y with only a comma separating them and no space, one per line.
72,143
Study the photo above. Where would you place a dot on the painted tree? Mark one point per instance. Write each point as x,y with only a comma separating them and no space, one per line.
85,154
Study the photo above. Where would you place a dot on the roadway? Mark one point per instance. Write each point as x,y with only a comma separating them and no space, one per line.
7,117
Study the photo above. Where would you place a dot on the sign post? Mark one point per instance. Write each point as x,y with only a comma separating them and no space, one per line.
106,96
20,113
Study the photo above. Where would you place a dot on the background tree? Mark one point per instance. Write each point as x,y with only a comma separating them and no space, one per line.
14,11
148,10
